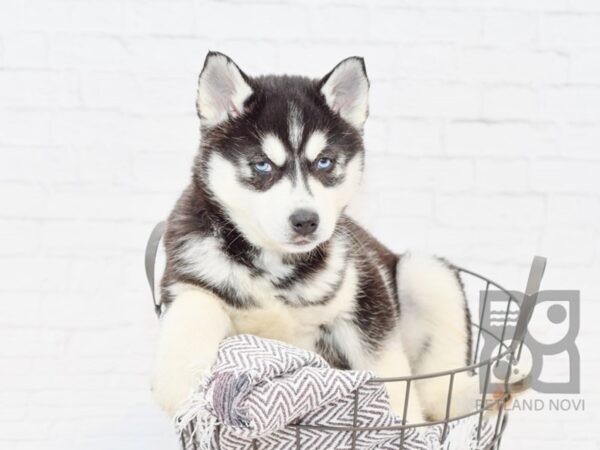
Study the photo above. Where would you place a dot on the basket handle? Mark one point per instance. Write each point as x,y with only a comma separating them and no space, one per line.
150,260
529,300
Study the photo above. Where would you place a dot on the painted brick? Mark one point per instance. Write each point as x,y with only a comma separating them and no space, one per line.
522,26
483,146
569,31
502,176
510,103
486,211
434,99
501,139
512,66
565,176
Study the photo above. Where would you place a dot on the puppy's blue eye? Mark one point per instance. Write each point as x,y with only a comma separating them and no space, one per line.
324,164
263,167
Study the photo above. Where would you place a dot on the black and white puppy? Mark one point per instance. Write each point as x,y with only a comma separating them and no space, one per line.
259,243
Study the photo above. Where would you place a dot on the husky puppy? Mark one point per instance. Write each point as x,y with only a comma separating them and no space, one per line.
259,243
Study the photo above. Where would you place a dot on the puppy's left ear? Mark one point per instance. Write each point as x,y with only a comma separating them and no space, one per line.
346,90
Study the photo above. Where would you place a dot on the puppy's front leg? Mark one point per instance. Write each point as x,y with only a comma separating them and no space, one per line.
190,333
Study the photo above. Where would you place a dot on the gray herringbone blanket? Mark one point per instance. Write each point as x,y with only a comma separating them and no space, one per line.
259,388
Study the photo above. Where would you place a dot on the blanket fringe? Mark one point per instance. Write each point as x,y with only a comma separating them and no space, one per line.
195,415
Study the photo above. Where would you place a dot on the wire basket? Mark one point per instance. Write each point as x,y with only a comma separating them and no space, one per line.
507,352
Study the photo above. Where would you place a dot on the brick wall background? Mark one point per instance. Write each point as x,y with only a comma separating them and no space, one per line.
483,146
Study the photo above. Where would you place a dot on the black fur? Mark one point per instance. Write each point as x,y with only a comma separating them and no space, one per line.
238,139
267,111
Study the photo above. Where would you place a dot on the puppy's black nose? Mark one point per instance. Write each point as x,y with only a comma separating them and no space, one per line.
304,222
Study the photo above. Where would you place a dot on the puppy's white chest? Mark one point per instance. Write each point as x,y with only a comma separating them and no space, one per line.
272,307
296,324
274,320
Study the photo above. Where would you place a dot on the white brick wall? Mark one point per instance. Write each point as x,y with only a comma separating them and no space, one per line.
484,146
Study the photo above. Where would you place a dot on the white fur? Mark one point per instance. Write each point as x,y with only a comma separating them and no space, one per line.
330,201
298,326
431,304
273,265
197,252
393,362
197,320
274,149
315,145
263,217
323,282
204,259
190,334
295,127
433,309
347,92
222,90
431,332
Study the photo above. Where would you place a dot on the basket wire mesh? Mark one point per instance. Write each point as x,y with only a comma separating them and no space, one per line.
506,351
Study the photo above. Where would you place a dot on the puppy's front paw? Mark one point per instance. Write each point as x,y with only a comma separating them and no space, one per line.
189,338
172,385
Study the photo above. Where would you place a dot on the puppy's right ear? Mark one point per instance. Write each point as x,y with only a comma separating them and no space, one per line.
222,90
